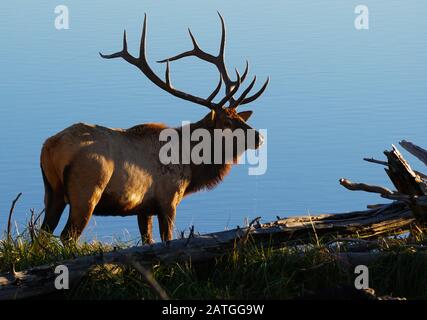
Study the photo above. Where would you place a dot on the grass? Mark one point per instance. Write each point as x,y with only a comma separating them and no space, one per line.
250,273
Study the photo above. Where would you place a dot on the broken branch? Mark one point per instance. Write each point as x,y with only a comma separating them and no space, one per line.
364,187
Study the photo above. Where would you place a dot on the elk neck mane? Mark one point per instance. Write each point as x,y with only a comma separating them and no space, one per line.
205,176
147,128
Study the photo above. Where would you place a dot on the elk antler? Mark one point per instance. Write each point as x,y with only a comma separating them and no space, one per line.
218,61
231,87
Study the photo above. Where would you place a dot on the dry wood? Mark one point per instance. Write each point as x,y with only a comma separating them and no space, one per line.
401,174
385,163
364,187
372,160
411,185
415,150
407,181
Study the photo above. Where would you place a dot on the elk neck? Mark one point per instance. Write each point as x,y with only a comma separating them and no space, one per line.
205,175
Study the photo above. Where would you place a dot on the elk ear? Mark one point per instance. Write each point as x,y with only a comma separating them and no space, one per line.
213,115
245,115
210,118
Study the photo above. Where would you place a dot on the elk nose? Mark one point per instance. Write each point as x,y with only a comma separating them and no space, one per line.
260,140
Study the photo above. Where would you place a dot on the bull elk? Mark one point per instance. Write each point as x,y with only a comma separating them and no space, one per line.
103,171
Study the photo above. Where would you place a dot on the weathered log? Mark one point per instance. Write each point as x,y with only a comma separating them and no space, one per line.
364,187
403,177
385,163
383,220
407,182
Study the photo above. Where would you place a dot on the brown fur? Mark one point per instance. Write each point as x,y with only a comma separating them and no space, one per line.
98,170
147,128
206,176
115,171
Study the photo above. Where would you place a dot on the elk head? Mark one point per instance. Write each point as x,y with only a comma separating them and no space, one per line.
223,113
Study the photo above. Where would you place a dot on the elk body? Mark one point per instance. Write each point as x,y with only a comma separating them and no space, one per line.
98,170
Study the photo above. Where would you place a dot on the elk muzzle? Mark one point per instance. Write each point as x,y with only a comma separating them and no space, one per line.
254,140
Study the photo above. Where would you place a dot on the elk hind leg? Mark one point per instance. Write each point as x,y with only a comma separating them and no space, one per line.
54,205
84,189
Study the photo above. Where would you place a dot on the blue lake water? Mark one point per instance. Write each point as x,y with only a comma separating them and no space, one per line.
336,95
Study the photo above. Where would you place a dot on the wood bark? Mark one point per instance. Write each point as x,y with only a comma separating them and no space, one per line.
417,151
411,186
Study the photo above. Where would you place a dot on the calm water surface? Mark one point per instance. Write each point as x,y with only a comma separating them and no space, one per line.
336,95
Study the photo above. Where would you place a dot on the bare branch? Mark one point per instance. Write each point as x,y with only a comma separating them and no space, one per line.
372,160
401,174
415,150
385,163
364,187
9,220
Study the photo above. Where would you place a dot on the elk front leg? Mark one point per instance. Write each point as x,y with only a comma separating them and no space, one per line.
166,218
145,223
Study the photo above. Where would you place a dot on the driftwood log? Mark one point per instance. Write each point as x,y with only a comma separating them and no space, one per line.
382,220
411,185
409,204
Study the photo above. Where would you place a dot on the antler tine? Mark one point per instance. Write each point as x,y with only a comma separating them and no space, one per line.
121,54
193,39
243,95
223,36
258,94
167,75
233,91
196,51
245,73
125,43
215,92
229,84
143,36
